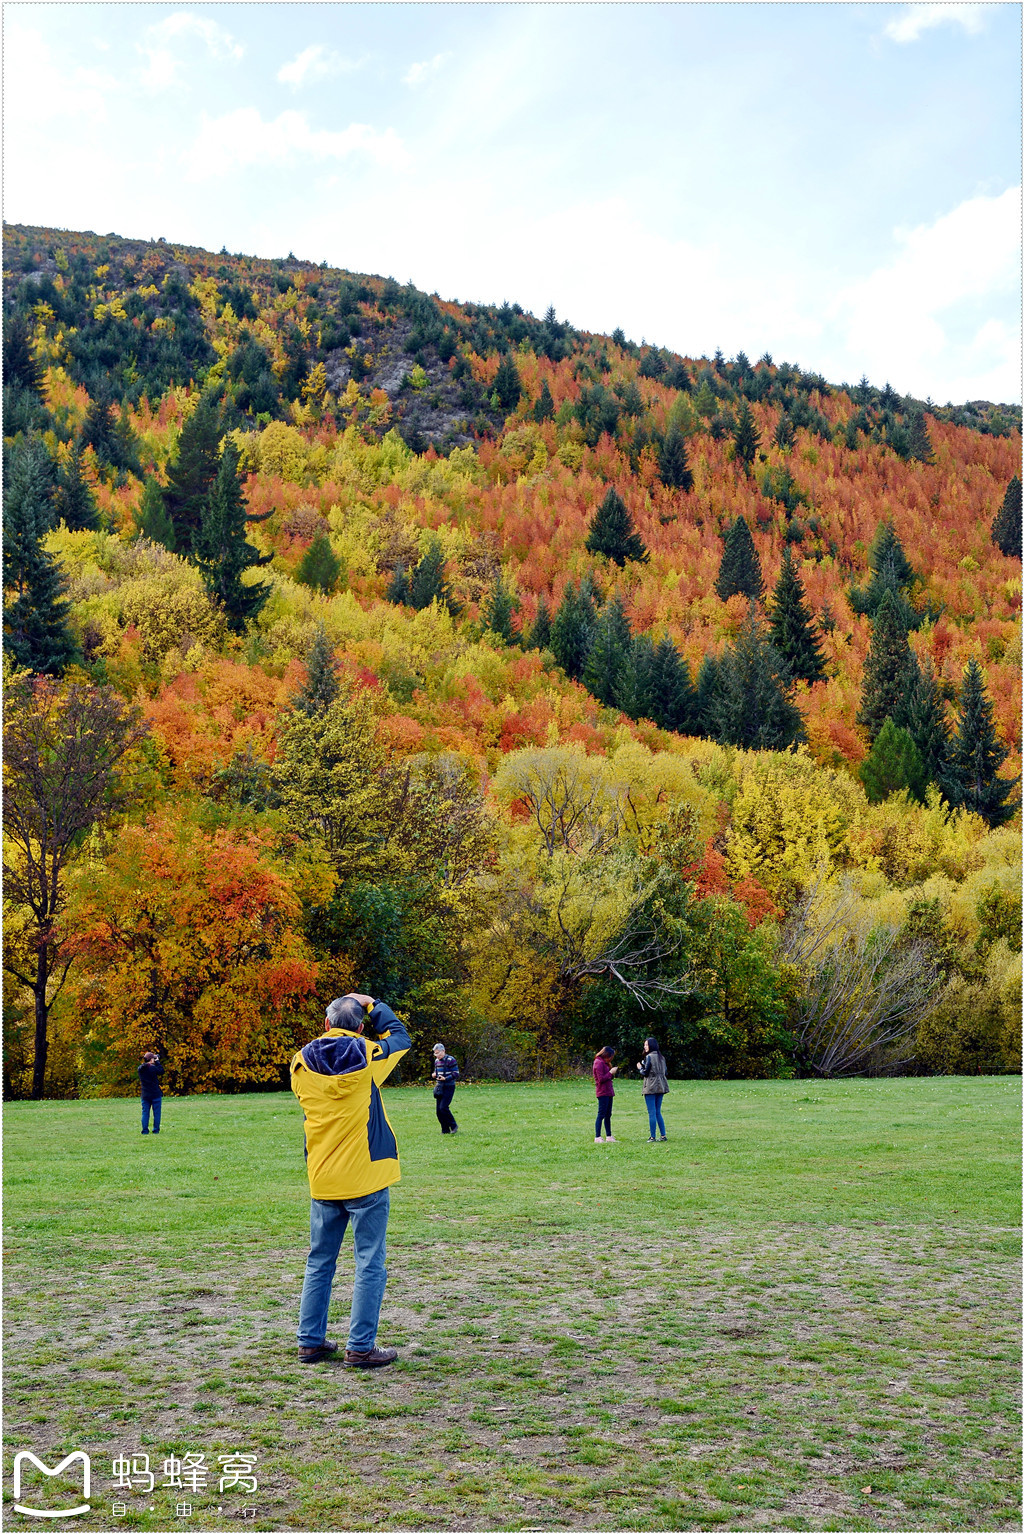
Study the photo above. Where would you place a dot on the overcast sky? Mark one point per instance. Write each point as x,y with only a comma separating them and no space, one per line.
836,184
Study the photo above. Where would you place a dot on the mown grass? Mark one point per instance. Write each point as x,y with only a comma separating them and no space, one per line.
807,1292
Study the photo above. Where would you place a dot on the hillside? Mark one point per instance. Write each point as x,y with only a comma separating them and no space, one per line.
418,481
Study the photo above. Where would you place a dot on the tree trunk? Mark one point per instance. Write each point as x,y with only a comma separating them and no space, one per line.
42,1017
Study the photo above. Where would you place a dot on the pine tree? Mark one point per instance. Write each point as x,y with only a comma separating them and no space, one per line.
746,437
73,501
611,532
632,399
499,607
976,755
792,628
890,669
892,572
544,409
634,693
740,570
708,687
752,706
673,465
20,365
572,631
319,567
398,587
923,715
222,552
321,687
673,699
36,633
919,444
1006,524
191,476
607,656
507,385
784,433
152,520
894,762
427,583
540,630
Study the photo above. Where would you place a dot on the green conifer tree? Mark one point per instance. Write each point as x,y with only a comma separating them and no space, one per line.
398,587
632,399
152,520
792,629
673,465
36,632
893,762
746,437
222,551
919,444
427,583
752,706
673,698
976,755
890,571
540,629
544,409
507,385
19,359
740,570
634,693
611,532
1006,523
708,687
190,477
319,567
321,687
890,669
784,433
499,608
923,715
607,655
572,631
73,501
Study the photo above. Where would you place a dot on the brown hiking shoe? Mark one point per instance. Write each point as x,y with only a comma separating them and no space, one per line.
374,1358
314,1355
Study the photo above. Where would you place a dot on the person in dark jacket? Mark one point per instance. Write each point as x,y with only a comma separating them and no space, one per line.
654,1071
604,1089
445,1074
150,1072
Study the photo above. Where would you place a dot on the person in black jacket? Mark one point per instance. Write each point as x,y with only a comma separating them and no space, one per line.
150,1072
655,1073
445,1075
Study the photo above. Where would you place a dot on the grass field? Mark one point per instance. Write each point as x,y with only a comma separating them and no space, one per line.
799,1313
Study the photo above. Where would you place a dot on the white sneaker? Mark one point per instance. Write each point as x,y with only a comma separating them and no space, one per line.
598,1140
611,1140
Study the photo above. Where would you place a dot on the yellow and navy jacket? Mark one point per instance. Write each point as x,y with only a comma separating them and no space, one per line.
350,1146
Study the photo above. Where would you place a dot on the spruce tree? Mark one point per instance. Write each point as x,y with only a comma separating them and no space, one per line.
507,385
398,587
894,762
321,687
923,715
746,437
740,570
890,571
544,409
608,652
36,632
20,365
634,693
611,532
976,755
319,567
73,501
784,432
792,629
152,520
499,607
919,444
752,707
572,631
427,583
1006,523
192,474
222,551
540,629
890,669
673,698
708,688
673,466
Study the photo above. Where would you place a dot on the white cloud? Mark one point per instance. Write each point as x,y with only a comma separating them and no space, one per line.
163,67
35,89
917,19
417,73
242,138
314,63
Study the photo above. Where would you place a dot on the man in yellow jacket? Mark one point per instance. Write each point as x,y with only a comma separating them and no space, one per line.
352,1160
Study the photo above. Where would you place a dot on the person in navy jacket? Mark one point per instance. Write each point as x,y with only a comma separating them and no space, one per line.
445,1074
149,1074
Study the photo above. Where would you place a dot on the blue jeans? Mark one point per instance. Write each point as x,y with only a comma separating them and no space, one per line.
604,1115
154,1103
443,1108
653,1101
328,1219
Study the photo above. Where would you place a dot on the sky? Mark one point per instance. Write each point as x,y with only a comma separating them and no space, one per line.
836,185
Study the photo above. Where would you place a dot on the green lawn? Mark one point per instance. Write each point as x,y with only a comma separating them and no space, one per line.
799,1313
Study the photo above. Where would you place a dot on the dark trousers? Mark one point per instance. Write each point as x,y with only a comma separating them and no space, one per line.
154,1103
443,1106
604,1114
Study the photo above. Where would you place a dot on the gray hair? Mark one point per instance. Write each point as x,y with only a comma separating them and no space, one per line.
440,1047
345,1012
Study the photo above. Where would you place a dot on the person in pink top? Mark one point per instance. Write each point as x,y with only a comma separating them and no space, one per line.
604,1070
